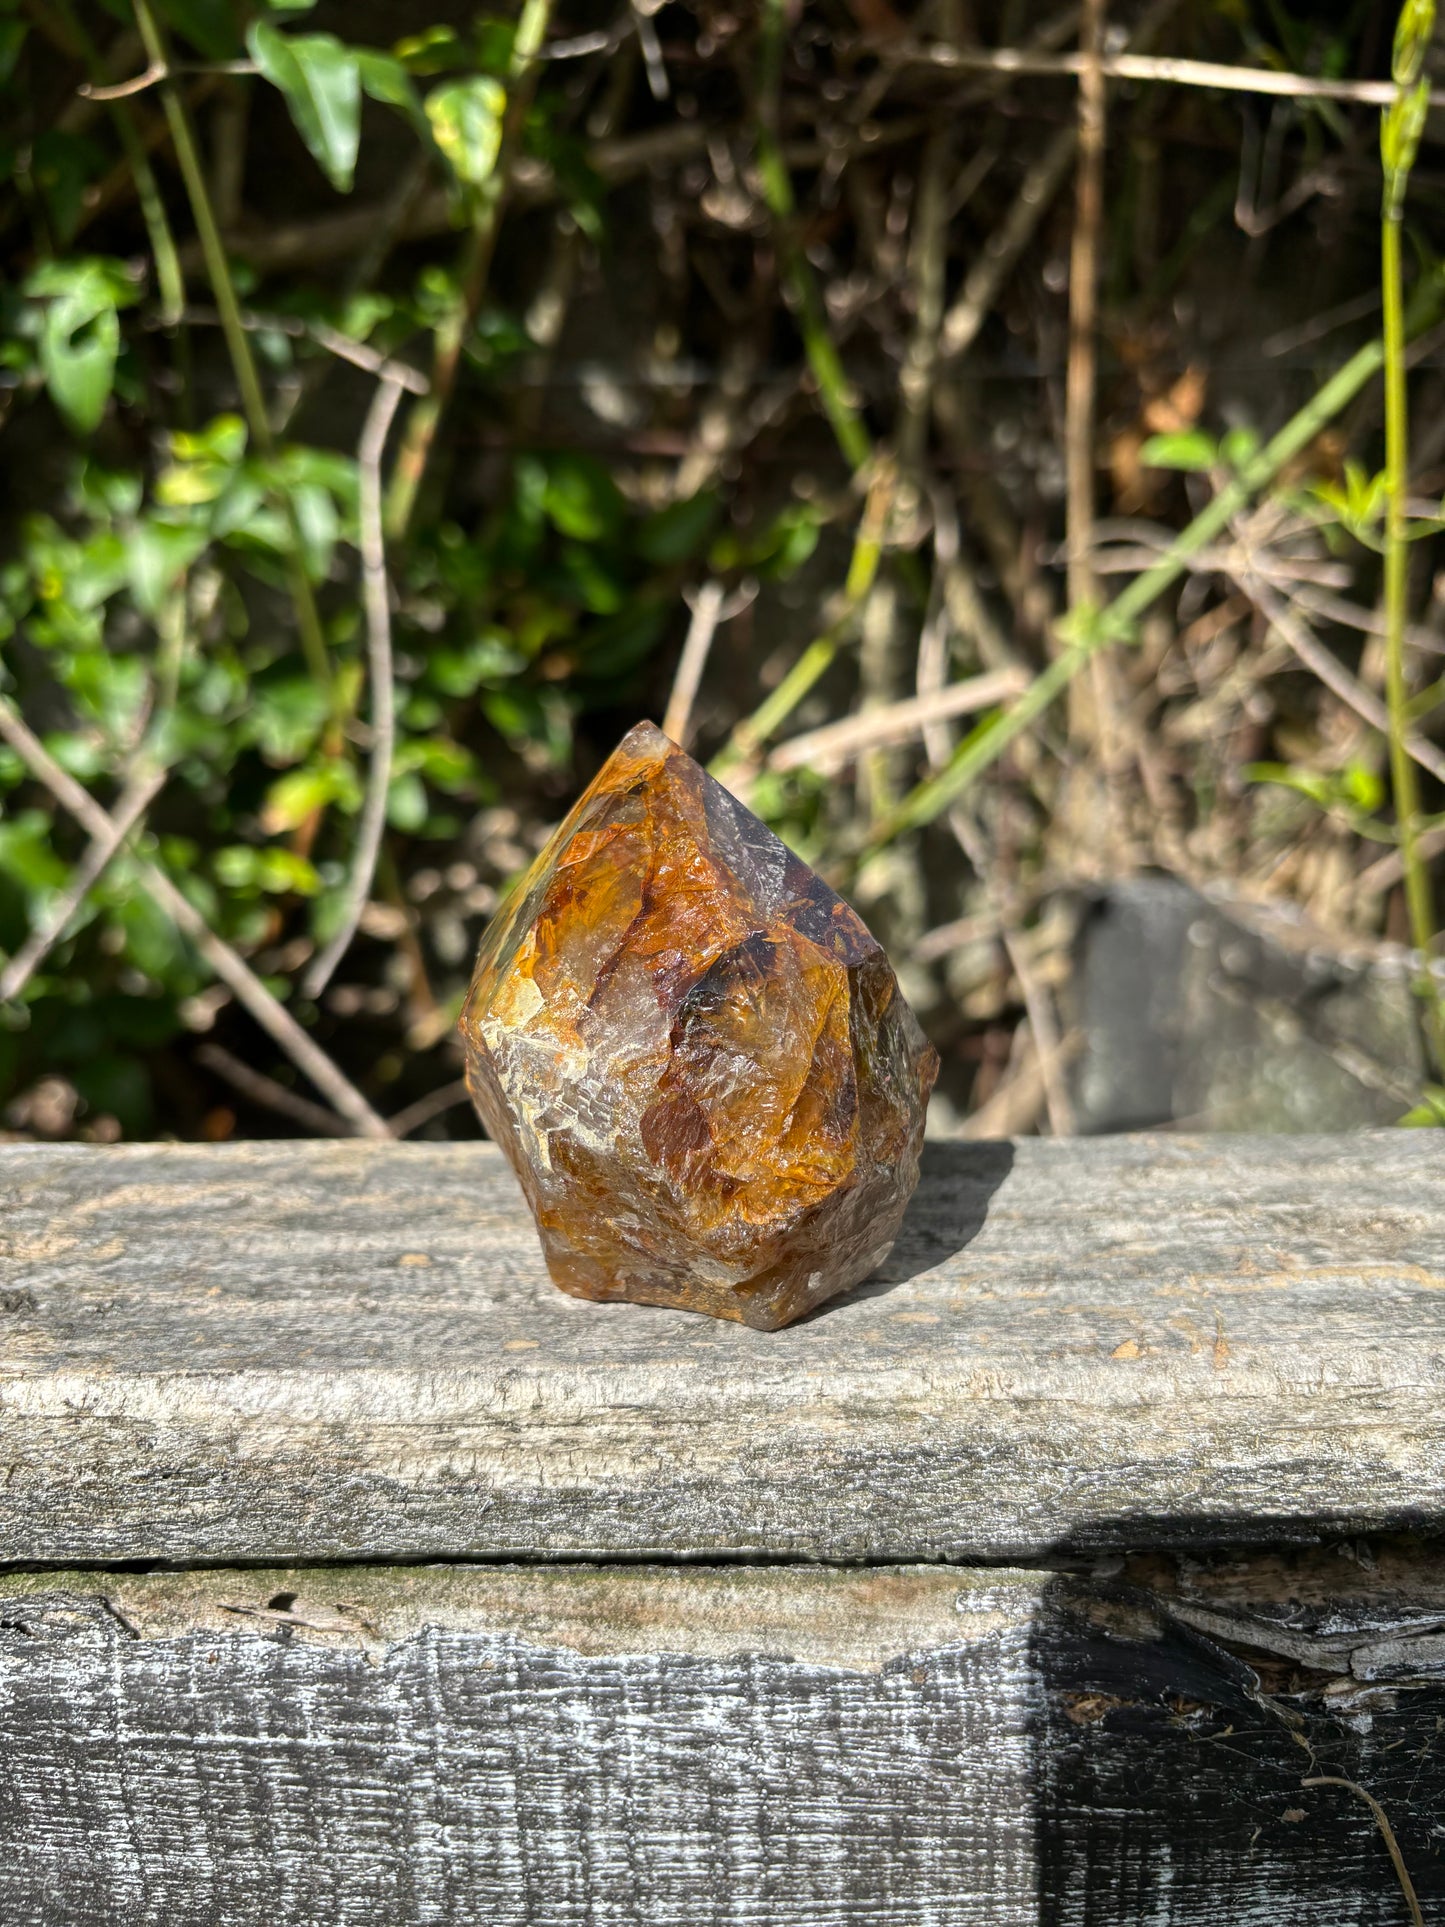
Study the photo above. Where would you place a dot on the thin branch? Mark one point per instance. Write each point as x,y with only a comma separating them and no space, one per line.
411,1118
376,594
582,44
1044,1030
945,938
136,798
1332,672
836,744
745,744
266,1091
1151,67
985,280
123,89
707,610
343,346
232,969
835,392
1388,870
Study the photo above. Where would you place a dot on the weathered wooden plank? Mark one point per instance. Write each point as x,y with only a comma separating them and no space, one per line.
688,1747
341,1350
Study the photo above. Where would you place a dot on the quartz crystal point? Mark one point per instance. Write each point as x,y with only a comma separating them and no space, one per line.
694,1055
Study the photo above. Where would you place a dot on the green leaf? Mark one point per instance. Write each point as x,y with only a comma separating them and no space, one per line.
274,871
157,555
1238,447
28,855
488,658
1413,31
406,805
384,78
298,795
222,440
1430,1111
438,50
581,499
79,340
1304,782
321,81
466,120
284,719
1191,450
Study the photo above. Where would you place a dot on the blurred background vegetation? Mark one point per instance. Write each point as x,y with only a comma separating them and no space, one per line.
977,428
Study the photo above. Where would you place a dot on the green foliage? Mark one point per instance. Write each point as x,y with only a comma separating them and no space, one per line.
466,122
1429,1111
150,602
76,329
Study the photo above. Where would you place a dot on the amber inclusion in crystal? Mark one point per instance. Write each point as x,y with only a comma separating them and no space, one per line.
695,1056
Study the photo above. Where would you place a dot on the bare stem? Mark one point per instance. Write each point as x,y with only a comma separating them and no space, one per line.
231,968
746,742
377,596
839,402
135,800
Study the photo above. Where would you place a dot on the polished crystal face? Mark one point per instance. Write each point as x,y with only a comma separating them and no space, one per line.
694,1055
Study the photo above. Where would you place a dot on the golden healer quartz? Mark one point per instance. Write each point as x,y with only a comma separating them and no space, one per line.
695,1057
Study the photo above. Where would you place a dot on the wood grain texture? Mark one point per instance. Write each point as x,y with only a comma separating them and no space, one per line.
688,1747
462,1775
282,1352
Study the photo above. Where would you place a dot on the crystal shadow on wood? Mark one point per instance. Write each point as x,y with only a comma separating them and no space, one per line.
694,1055
956,1185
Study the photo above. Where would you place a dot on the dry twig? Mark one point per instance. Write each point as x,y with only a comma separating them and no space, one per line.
707,613
136,798
377,597
1331,671
231,968
402,1123
1008,61
836,744
272,1096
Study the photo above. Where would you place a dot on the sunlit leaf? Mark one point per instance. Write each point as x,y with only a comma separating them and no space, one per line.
321,81
1191,450
466,120
79,338
157,555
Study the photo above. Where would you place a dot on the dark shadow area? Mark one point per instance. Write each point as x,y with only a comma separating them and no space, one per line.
1183,1700
956,1184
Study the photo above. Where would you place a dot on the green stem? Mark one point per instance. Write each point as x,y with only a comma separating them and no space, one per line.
834,391
1117,621
451,333
1404,778
747,740
223,288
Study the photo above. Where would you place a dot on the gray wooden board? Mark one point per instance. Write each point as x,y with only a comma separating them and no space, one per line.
692,1746
296,1351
